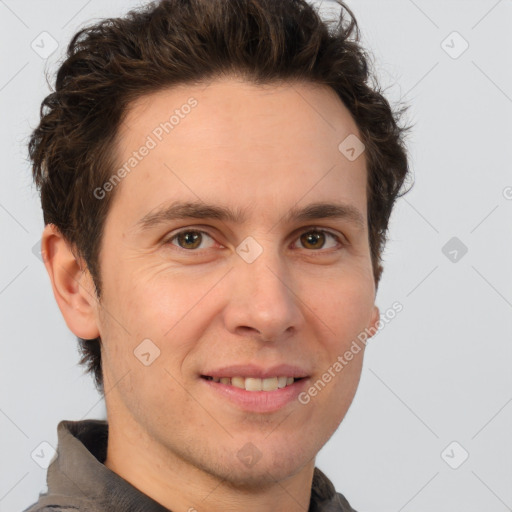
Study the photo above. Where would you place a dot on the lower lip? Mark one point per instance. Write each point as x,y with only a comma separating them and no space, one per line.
258,401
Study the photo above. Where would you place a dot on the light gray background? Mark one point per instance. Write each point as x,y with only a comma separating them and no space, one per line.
438,373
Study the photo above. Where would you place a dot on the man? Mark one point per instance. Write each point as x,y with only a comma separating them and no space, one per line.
216,179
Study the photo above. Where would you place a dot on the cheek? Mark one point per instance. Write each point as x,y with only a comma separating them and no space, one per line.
159,316
343,309
158,301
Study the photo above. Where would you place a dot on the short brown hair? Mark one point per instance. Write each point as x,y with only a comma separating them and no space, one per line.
169,42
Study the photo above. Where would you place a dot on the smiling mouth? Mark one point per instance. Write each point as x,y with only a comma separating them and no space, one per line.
254,384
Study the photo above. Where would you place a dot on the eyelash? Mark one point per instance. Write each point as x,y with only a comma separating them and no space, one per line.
310,229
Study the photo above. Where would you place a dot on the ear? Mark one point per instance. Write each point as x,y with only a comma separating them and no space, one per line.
72,284
373,325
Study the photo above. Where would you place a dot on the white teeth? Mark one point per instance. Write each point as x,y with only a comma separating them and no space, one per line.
238,382
252,384
256,384
269,384
281,382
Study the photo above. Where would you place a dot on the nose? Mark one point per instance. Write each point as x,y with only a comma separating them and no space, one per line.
263,299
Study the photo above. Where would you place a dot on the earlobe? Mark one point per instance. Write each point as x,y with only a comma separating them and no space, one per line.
71,283
373,326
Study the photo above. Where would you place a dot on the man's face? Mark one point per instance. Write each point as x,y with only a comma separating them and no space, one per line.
266,296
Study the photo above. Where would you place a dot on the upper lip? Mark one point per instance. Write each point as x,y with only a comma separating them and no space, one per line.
251,370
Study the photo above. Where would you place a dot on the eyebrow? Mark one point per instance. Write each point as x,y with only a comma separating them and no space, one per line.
201,210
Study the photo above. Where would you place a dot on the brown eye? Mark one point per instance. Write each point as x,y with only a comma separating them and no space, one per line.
312,239
188,239
315,239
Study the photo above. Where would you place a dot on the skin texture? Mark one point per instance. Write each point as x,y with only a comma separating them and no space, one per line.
259,149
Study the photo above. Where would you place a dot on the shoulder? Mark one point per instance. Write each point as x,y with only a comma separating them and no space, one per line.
51,508
343,503
51,504
324,497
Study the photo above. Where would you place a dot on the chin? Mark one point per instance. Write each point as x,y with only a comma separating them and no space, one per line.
252,468
258,477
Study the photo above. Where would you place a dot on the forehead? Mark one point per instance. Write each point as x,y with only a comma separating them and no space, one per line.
233,139
228,110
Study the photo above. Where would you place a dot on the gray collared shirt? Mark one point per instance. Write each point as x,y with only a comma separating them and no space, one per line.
78,480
